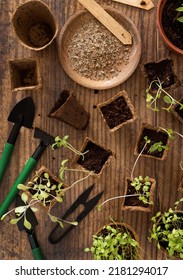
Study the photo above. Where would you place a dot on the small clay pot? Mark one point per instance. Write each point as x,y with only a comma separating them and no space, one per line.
155,134
133,203
52,177
122,225
68,110
24,74
162,70
117,111
160,8
178,114
35,25
95,160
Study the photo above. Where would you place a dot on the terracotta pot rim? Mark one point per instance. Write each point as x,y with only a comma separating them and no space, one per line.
160,7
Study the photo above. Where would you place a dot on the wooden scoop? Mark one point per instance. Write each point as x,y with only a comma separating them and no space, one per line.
143,4
109,22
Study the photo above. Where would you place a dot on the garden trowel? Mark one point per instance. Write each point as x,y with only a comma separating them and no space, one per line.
31,218
46,140
21,115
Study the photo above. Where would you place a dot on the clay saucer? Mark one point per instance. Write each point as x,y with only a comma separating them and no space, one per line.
72,27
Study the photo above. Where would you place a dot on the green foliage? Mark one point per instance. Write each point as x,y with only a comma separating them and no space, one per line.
62,142
167,229
115,243
142,187
158,146
180,10
152,97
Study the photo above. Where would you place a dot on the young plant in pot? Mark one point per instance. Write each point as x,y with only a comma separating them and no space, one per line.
170,23
115,241
45,189
139,191
167,231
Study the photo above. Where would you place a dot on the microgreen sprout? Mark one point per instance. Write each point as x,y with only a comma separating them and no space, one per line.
63,142
180,10
152,98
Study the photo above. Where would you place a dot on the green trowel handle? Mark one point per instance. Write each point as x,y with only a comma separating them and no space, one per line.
37,254
5,158
14,190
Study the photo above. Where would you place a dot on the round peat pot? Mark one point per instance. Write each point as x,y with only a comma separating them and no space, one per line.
160,9
34,25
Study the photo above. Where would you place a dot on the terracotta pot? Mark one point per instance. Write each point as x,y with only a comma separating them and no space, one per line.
118,112
134,207
160,7
128,228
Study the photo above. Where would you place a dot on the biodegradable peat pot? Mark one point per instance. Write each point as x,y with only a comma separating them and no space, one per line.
177,112
39,178
35,25
155,134
117,111
24,74
95,160
68,110
133,203
162,70
122,252
170,29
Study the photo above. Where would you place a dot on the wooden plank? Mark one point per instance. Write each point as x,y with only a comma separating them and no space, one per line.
145,5
109,22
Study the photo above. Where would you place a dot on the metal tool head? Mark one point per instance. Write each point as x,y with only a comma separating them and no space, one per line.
30,216
46,138
57,233
24,111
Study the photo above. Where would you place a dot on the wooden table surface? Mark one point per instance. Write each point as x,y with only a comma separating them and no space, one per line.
14,244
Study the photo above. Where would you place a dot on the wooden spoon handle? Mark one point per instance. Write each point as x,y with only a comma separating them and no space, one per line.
109,22
146,4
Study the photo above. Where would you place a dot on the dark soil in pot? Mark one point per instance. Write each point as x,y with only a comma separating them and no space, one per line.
172,27
162,70
154,136
95,158
116,112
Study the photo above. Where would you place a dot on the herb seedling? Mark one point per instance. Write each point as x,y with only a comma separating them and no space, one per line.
153,98
167,231
180,10
114,243
43,192
141,185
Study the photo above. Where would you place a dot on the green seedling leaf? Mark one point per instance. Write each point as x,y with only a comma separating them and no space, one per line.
46,175
149,97
27,224
167,99
59,199
22,187
180,19
14,221
24,197
20,209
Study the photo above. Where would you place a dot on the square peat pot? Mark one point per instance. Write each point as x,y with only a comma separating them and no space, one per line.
96,159
39,178
162,70
117,111
24,74
132,203
155,135
178,114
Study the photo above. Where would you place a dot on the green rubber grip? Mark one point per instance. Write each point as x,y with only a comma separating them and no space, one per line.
5,158
20,180
37,253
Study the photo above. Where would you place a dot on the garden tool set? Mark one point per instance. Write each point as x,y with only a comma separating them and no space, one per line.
23,115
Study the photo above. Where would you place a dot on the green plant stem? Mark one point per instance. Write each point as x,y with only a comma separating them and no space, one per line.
132,177
116,197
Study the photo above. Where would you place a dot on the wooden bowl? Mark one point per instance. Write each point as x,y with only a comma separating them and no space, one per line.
72,26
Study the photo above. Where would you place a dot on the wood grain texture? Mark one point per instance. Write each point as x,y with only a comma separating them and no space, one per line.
14,244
